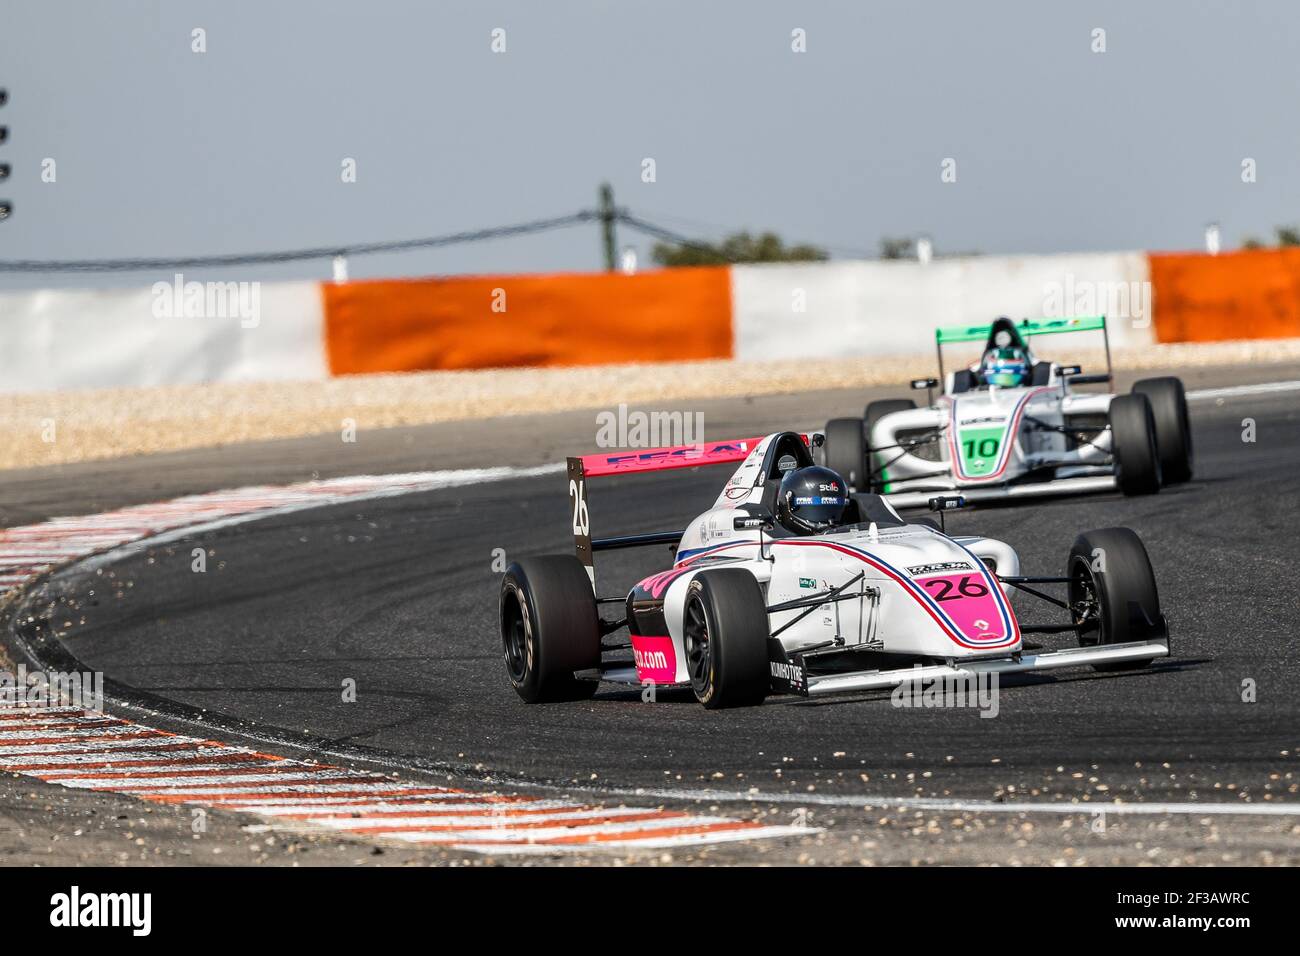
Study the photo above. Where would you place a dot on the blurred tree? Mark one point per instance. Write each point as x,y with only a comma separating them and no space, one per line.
893,247
740,247
1286,236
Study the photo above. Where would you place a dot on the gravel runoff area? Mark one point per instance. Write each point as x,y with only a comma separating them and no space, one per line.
86,425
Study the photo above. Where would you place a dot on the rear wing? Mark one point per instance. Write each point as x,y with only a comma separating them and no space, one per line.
634,462
1024,328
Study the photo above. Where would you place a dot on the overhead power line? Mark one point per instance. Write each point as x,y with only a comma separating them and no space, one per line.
606,215
295,255
661,232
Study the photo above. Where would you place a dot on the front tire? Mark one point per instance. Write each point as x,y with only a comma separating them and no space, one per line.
549,628
873,413
1168,401
1133,445
846,451
1112,592
725,633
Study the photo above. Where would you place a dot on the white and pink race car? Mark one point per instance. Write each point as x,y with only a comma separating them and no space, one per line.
789,583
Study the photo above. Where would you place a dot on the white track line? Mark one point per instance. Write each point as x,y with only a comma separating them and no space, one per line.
881,802
505,834
1233,391
652,843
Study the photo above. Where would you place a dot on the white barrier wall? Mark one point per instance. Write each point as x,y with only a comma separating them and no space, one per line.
178,333
893,307
151,336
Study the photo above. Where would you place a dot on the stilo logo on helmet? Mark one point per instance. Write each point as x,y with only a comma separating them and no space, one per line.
810,500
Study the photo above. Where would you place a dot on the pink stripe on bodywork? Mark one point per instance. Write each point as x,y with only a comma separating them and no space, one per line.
910,587
657,584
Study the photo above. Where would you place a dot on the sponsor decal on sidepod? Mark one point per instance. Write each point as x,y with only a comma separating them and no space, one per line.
655,658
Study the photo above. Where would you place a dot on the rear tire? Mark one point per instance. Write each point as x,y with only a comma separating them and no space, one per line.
1133,445
1173,426
874,412
725,633
549,628
846,451
1112,592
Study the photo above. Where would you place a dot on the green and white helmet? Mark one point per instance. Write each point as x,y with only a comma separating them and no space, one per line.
1007,367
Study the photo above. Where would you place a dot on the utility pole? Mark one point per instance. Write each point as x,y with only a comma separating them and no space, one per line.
5,207
607,224
1212,238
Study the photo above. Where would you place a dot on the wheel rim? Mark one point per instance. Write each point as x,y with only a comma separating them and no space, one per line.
696,638
1085,608
516,635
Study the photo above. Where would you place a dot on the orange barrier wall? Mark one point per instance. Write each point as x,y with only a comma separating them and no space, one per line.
1252,294
586,319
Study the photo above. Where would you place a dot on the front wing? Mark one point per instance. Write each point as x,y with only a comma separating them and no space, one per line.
790,674
786,680
1061,486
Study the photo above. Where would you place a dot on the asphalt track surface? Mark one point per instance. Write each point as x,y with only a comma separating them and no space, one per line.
400,595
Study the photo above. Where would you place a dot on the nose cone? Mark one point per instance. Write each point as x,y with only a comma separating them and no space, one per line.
956,590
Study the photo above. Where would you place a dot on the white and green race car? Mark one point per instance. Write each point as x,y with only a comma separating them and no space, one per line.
1012,426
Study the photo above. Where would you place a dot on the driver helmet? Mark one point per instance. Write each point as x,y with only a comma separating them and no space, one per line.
1005,367
811,499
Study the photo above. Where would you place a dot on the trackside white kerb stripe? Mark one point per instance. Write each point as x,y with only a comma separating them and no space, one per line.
302,796
88,751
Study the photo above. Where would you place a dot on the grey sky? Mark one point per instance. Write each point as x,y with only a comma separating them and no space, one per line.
161,151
